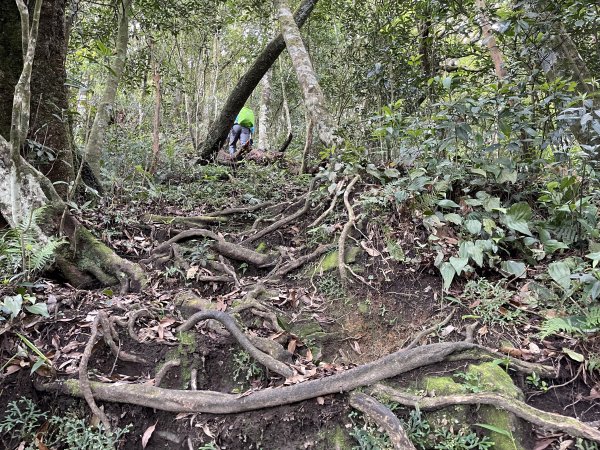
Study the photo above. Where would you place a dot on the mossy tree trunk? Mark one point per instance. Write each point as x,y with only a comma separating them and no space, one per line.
49,128
314,99
24,189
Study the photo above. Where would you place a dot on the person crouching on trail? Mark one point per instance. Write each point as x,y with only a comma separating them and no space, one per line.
241,130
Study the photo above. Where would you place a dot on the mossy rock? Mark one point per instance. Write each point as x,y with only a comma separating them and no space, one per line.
490,378
261,248
330,262
312,335
336,439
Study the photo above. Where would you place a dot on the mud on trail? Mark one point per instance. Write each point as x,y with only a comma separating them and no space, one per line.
297,302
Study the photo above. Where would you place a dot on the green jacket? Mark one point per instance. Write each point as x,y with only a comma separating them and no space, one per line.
245,117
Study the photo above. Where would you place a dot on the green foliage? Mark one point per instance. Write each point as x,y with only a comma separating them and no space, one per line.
490,302
21,253
23,419
245,368
579,326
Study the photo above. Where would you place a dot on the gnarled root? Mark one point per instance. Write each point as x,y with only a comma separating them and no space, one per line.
232,251
241,210
227,321
389,366
164,369
298,262
193,221
383,417
547,420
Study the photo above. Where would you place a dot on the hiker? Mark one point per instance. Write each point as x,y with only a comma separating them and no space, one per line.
242,129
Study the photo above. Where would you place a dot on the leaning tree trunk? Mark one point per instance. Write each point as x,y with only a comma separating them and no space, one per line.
487,35
314,99
50,128
265,111
23,190
217,134
93,147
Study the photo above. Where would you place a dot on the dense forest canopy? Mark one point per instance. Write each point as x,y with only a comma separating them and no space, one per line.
299,224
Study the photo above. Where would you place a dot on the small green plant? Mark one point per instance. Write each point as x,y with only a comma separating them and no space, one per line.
490,302
245,367
470,380
578,326
23,419
209,446
535,381
368,436
13,305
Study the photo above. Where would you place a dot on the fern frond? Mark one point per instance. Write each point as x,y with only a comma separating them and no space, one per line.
557,325
44,255
573,325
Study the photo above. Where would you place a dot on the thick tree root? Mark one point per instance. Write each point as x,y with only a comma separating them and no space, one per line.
131,322
383,417
389,366
195,221
232,251
110,335
547,420
227,321
285,220
346,231
429,330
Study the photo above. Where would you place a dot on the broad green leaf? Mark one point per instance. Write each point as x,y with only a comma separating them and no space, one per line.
560,273
41,309
464,250
478,171
447,203
391,173
573,355
458,263
39,363
551,245
595,257
507,175
448,273
453,218
477,255
488,225
473,226
515,268
517,216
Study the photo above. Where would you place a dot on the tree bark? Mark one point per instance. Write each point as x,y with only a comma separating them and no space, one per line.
49,129
23,190
487,35
93,148
156,119
314,99
217,133
265,111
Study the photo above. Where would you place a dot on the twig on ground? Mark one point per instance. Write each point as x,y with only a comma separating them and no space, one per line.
266,360
349,224
240,210
383,417
544,419
168,365
298,262
229,271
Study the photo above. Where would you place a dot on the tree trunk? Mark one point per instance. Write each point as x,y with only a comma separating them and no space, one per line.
156,119
265,111
23,190
314,99
219,130
49,129
487,35
93,149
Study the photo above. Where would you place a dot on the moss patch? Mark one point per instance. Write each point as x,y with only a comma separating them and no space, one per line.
330,262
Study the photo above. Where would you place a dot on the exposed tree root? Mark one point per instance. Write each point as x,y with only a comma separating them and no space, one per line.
110,335
285,220
389,366
383,417
232,251
547,420
195,221
164,370
241,210
345,231
298,262
429,330
336,194
131,322
227,321
84,381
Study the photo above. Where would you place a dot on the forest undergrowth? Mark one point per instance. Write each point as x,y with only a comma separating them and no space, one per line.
479,255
